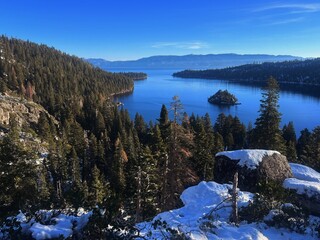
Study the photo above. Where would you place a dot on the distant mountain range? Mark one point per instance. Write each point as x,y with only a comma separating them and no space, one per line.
216,61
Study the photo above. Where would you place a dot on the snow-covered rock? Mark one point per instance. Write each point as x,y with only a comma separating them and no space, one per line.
306,183
254,166
250,158
303,172
311,189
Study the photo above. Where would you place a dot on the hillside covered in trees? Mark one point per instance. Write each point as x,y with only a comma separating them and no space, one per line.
90,154
297,72
135,75
59,82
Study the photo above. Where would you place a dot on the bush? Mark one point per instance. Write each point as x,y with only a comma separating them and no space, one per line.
288,216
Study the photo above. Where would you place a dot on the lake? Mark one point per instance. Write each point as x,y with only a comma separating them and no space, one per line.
159,88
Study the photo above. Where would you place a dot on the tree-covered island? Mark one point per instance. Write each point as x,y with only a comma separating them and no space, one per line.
223,98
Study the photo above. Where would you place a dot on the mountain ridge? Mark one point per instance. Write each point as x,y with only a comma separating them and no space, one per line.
191,61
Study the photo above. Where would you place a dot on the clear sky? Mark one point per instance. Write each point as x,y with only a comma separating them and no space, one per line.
131,29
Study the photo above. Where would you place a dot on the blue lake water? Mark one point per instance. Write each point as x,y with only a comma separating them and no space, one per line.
160,87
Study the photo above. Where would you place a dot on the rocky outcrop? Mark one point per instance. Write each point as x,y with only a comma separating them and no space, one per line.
253,166
24,112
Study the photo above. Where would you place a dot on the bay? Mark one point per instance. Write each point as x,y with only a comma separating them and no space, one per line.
299,104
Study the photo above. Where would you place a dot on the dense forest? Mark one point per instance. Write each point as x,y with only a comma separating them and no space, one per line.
98,156
298,72
63,84
135,75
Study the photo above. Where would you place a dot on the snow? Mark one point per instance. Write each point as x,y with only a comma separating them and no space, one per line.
306,180
201,200
304,173
63,227
302,187
250,158
51,226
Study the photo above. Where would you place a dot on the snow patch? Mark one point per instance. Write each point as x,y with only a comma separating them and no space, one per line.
304,173
211,197
51,225
302,187
250,158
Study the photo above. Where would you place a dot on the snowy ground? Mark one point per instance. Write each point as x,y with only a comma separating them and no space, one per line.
192,219
52,225
201,200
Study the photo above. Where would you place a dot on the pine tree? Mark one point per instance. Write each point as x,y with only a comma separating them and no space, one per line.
118,183
203,158
238,133
304,148
74,167
164,123
98,188
315,147
289,135
267,133
18,181
147,185
160,154
44,127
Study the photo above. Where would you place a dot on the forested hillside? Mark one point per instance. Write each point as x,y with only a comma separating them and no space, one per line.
60,82
298,72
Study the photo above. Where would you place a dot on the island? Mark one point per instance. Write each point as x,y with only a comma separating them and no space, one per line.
223,98
135,75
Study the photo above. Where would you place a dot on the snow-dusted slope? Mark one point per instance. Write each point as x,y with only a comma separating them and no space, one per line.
201,200
250,158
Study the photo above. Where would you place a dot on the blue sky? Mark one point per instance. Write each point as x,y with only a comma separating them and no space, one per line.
131,29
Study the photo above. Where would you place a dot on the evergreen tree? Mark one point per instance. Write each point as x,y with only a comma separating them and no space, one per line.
99,189
160,154
74,167
267,133
289,135
18,181
304,148
147,185
315,147
164,123
117,180
203,158
44,128
238,133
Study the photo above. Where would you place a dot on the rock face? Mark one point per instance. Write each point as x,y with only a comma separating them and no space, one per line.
25,112
223,98
254,166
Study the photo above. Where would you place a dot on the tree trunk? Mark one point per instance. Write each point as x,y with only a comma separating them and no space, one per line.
235,217
138,210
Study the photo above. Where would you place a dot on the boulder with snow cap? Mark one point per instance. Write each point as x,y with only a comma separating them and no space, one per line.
306,185
254,166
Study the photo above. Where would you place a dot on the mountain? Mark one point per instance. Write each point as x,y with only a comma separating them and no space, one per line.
192,61
298,72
